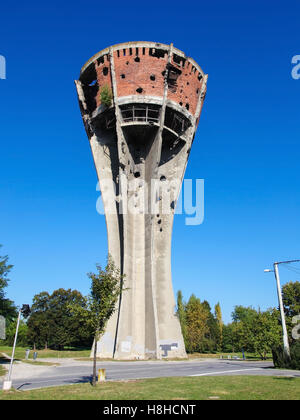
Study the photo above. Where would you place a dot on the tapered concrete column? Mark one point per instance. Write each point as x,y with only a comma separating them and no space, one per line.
141,143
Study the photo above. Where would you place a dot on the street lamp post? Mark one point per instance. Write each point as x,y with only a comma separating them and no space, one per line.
286,346
25,311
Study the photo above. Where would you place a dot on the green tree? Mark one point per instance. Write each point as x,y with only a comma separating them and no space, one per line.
106,288
256,331
7,307
209,344
39,321
22,333
291,298
196,322
51,324
106,95
218,316
181,313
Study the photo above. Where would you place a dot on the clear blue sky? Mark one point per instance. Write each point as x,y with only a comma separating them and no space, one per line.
247,146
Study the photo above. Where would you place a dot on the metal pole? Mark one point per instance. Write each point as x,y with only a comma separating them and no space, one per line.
14,347
286,346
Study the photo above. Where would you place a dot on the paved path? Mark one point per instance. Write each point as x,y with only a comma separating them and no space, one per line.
27,376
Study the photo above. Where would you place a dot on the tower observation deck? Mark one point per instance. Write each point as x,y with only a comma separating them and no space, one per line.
141,103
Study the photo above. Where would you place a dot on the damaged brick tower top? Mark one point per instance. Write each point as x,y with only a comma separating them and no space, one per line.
141,104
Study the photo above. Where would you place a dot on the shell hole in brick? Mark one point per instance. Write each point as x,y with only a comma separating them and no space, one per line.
105,71
123,76
152,77
127,63
139,90
187,106
137,59
180,103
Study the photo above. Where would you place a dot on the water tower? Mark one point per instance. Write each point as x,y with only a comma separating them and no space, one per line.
141,103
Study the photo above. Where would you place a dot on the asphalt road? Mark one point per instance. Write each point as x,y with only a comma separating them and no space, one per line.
71,372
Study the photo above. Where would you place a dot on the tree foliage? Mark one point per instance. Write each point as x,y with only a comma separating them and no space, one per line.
199,326
106,287
52,324
291,298
106,95
7,307
254,330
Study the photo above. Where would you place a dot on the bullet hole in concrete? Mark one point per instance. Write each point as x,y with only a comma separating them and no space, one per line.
139,90
157,215
105,71
187,106
137,59
160,229
188,150
152,77
137,174
172,205
163,178
123,76
159,221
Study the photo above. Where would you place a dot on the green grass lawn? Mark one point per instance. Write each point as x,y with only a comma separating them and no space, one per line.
20,353
197,388
84,354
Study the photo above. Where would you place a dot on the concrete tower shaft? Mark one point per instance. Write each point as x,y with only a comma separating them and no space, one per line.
142,135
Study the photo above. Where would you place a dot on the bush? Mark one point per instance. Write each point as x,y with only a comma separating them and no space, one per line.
280,360
106,95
